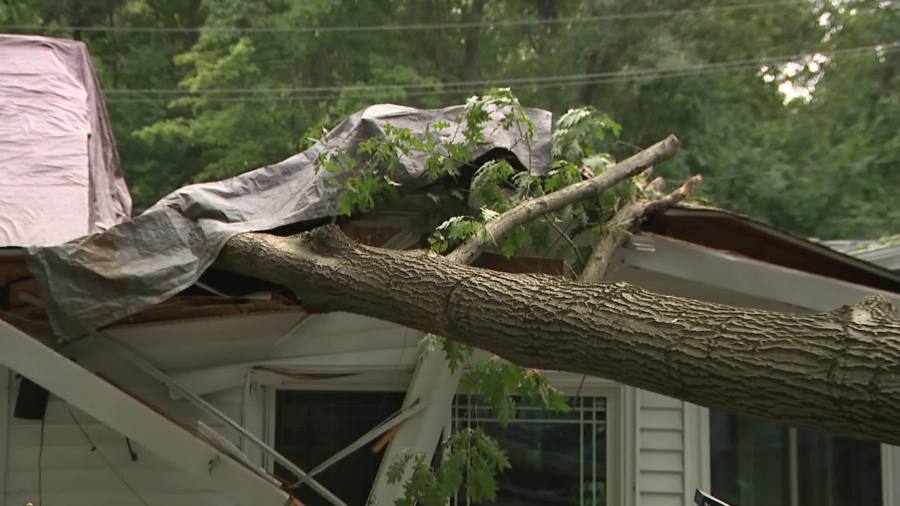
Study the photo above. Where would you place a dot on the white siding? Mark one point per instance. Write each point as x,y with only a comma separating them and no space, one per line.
72,474
669,460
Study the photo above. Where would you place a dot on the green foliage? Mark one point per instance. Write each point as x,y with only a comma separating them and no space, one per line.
487,187
374,170
457,353
499,381
471,461
578,134
454,231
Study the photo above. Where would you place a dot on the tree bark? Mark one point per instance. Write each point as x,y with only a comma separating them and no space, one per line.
836,371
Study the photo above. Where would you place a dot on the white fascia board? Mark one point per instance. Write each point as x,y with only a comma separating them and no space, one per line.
745,275
213,379
123,413
887,257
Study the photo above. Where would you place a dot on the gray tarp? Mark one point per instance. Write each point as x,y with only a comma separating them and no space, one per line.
94,281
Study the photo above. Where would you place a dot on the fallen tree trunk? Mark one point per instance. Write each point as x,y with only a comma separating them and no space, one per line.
836,371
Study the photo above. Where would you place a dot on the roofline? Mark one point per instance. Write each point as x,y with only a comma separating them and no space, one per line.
860,262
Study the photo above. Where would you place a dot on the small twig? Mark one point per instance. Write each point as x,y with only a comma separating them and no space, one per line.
658,185
566,237
676,196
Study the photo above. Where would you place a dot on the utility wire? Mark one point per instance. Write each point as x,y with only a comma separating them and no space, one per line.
507,23
515,80
420,89
106,461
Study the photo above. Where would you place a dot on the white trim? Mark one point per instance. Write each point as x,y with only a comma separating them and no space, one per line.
629,437
213,379
886,256
890,466
793,466
812,247
733,272
271,396
434,383
253,418
705,452
5,399
108,404
636,484
696,450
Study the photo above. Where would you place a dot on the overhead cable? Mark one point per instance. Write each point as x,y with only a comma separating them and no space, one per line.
502,23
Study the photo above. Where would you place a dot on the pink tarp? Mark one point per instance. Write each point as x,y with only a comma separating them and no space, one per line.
60,176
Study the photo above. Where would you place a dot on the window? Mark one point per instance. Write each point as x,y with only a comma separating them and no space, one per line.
757,463
557,458
311,426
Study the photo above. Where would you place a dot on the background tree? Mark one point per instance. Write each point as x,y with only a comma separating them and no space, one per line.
807,143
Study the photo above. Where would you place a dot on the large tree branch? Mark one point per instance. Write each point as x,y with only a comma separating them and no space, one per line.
837,371
625,220
528,210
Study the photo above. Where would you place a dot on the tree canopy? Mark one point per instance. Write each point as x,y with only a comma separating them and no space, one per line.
789,109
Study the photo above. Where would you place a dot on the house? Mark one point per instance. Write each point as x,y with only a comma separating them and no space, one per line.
230,393
310,385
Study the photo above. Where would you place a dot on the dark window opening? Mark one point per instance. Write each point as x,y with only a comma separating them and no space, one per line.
311,426
557,458
758,463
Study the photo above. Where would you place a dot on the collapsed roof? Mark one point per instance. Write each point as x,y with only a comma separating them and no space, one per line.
98,279
102,278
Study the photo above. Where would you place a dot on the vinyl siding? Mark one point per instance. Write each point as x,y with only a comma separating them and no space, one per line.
74,475
669,450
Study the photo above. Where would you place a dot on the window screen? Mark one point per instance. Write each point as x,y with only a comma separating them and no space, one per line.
557,458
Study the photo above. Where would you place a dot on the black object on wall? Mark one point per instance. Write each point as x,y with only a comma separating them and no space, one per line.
31,403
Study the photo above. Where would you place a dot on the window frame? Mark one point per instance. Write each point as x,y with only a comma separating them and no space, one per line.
618,430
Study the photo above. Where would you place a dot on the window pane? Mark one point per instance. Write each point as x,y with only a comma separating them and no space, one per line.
834,471
749,460
556,458
546,463
312,426
751,465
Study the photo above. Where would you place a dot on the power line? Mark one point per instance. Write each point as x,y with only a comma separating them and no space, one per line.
420,89
508,81
422,93
509,23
